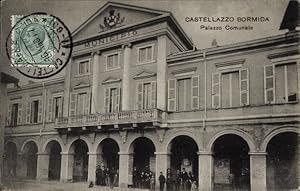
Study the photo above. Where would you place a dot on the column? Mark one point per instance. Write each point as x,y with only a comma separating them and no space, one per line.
162,73
42,166
95,85
205,170
258,169
124,162
21,165
126,78
92,167
67,86
162,163
67,160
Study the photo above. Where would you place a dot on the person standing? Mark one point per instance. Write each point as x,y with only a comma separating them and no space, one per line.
135,177
177,180
169,180
162,181
185,178
152,182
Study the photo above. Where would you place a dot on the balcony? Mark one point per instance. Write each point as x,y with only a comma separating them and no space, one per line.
120,119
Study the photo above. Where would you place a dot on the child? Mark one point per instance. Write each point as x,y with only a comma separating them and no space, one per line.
194,186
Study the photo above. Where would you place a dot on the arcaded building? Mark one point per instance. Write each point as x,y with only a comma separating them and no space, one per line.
137,93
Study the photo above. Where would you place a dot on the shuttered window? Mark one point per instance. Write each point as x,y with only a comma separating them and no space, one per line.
80,104
281,83
112,99
112,61
36,111
83,67
230,89
14,114
146,95
145,54
183,94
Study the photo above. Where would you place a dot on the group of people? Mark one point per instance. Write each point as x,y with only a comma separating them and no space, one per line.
143,179
106,176
179,180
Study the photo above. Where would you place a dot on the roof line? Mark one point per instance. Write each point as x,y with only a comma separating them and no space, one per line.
108,3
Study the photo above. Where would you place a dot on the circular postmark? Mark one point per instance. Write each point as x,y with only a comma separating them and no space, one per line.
39,45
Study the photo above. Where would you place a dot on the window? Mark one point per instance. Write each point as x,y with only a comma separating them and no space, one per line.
58,107
280,82
145,54
80,103
112,99
112,61
230,89
34,111
183,94
83,67
146,95
14,114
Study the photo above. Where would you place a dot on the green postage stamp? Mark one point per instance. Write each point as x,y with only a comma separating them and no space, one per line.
40,46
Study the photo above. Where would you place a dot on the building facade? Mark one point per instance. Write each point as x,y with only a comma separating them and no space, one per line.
137,94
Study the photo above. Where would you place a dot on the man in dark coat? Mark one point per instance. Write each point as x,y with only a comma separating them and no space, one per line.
162,181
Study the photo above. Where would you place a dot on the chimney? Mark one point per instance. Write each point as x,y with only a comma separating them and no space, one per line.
214,43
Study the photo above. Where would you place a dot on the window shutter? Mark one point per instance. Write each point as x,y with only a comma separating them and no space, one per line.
28,113
106,100
40,112
87,103
244,86
19,122
8,119
73,100
172,95
269,84
216,78
153,94
60,109
139,91
50,108
195,92
117,105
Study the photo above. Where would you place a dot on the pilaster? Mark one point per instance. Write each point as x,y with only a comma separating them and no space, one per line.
126,78
162,72
205,170
258,171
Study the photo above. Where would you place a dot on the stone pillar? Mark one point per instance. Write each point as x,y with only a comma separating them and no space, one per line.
124,169
258,171
95,86
162,163
67,160
162,72
67,87
42,166
21,166
126,78
205,170
92,167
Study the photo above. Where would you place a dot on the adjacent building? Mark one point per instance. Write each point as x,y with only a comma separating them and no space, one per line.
136,93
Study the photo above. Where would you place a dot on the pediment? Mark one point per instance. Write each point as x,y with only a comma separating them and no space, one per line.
144,74
114,15
81,85
111,80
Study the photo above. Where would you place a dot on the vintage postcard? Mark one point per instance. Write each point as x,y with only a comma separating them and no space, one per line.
132,95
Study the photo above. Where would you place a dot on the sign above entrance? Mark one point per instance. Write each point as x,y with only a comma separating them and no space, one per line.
111,21
109,39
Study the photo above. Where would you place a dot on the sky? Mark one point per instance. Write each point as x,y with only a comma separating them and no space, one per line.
75,12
